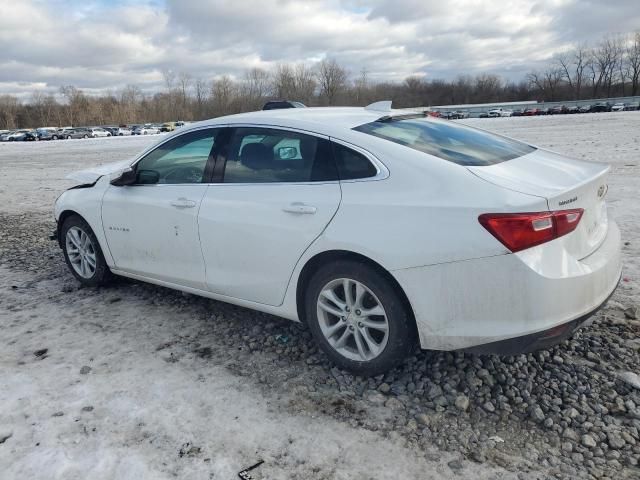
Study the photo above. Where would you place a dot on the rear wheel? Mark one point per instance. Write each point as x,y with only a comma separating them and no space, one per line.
358,318
82,252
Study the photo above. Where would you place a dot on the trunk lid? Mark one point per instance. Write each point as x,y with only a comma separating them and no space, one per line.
566,184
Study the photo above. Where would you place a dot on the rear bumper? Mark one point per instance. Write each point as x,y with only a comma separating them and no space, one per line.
536,341
514,302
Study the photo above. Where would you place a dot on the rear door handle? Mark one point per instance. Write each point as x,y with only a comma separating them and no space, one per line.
299,207
183,203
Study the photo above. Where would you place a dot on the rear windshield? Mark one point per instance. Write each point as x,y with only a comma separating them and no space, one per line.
449,141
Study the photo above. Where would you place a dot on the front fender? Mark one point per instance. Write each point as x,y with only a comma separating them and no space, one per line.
87,203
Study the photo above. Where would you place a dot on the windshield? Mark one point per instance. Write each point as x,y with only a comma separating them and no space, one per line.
448,141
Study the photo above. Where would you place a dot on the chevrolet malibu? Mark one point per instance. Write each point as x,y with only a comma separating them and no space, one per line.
380,229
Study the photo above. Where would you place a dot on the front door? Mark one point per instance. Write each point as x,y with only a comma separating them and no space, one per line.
152,227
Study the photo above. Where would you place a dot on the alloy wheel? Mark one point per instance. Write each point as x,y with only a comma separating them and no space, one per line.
352,319
81,252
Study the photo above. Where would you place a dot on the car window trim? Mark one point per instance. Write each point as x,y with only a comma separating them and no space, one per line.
209,168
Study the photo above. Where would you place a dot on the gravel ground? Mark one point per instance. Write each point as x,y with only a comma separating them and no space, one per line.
140,379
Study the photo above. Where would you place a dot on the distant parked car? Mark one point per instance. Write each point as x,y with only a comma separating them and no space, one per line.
4,135
47,133
558,109
79,132
112,130
23,135
632,106
279,104
585,109
98,132
573,109
146,130
462,114
500,112
530,112
517,112
483,115
601,107
122,131
168,127
618,107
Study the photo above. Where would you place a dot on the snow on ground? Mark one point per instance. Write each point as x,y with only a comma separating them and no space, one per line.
138,382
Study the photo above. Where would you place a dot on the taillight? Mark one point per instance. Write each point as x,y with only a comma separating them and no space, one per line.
518,231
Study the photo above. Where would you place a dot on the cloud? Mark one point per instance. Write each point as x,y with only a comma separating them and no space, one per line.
104,45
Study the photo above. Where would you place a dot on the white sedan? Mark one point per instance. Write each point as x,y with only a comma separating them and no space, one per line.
146,130
380,229
499,112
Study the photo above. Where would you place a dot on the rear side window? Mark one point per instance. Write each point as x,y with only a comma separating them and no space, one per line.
264,155
351,164
448,141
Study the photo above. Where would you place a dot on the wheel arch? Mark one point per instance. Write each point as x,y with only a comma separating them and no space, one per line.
314,263
63,217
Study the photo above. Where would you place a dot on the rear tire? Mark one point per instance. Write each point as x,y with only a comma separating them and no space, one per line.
82,252
366,331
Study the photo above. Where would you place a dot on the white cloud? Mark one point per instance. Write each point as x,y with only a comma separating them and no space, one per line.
104,45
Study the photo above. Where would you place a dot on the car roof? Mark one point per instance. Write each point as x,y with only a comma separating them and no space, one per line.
323,120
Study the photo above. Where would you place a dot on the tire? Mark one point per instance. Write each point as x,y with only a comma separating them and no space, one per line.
68,137
55,137
391,347
92,277
86,136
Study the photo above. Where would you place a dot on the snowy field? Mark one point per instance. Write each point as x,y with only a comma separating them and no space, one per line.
135,381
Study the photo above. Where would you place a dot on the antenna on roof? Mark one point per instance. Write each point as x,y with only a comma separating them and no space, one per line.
384,106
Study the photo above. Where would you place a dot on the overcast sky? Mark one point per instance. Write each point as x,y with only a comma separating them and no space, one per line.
106,44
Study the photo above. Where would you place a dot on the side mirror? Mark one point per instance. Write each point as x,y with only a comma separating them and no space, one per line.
127,177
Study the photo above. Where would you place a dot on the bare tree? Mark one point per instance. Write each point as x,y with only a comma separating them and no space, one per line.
305,83
573,65
184,83
284,82
632,54
8,111
223,93
332,79
201,96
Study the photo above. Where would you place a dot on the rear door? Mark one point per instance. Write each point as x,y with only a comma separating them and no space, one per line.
276,191
566,184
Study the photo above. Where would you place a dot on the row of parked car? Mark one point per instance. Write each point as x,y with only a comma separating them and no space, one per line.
66,133
561,110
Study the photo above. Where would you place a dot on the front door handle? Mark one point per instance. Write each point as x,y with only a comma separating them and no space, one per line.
183,203
299,207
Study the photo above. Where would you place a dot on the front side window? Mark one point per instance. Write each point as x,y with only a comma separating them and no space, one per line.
263,155
182,159
449,141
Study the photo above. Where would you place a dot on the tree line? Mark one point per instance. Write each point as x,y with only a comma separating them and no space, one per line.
609,68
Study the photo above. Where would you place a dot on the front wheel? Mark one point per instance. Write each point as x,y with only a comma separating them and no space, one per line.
82,252
358,318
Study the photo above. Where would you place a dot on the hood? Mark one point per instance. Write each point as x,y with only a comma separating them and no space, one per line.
91,175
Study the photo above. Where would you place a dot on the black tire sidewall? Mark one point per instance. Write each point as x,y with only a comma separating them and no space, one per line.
401,339
102,273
